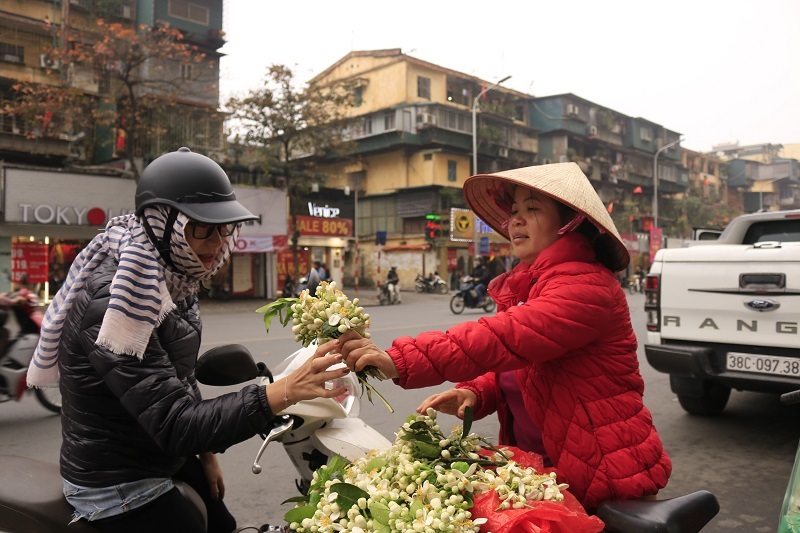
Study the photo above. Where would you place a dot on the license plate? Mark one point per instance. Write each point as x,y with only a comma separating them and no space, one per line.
763,364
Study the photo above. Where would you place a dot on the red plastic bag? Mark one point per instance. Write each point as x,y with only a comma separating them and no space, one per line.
567,516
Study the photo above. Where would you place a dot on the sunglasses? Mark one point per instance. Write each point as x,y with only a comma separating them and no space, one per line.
202,231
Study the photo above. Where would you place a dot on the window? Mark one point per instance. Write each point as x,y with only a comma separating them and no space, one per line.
424,87
366,126
644,134
519,113
451,171
358,96
187,71
12,53
183,9
388,121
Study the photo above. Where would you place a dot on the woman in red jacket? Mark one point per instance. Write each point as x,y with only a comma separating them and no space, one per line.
558,361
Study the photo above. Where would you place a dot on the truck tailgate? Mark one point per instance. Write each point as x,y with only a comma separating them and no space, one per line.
735,294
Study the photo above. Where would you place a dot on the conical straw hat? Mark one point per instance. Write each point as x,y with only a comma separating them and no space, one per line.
564,182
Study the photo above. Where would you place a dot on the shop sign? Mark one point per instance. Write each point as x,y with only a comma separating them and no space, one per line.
68,215
325,227
29,258
655,242
252,245
325,212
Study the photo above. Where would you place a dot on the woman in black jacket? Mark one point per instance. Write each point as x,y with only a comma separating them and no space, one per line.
121,340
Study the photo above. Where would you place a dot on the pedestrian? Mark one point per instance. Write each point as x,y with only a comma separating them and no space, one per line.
121,339
558,361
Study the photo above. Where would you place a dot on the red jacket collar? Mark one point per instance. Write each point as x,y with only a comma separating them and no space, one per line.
514,286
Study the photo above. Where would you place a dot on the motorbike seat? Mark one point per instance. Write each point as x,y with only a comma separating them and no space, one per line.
688,513
32,498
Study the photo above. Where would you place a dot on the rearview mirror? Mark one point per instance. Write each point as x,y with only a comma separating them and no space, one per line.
228,364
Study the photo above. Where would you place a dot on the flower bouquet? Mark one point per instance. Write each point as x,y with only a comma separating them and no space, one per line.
429,482
323,316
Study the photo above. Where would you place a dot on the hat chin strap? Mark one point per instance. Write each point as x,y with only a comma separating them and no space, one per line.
162,246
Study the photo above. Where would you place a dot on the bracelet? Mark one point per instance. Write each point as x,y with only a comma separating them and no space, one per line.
286,393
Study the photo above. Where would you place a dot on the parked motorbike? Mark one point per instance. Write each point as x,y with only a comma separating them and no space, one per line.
386,296
467,298
426,284
16,355
312,431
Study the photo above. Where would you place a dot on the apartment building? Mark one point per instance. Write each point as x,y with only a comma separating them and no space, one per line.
60,184
414,151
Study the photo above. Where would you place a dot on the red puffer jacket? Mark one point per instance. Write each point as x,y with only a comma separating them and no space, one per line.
563,326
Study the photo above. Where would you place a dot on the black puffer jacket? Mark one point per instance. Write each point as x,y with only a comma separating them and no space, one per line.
124,419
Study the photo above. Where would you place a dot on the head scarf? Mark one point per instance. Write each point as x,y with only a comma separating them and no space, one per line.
143,291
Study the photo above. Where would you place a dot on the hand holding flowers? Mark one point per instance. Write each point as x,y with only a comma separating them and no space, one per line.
325,315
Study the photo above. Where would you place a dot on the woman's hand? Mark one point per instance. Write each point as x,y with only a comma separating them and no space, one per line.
452,402
309,380
213,474
358,352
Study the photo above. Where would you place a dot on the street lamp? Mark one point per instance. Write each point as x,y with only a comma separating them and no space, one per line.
655,179
475,238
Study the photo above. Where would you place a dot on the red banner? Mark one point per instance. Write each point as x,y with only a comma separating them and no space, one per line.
325,227
656,241
286,265
29,258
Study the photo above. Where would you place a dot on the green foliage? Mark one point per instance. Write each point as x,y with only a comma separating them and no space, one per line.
293,128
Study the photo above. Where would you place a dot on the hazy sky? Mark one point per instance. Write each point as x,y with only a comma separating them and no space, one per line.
715,71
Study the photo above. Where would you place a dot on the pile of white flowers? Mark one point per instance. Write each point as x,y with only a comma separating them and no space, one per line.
425,483
323,316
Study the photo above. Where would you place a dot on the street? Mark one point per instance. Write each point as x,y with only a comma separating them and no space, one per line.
743,456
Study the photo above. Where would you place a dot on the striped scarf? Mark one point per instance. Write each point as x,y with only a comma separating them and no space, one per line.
143,290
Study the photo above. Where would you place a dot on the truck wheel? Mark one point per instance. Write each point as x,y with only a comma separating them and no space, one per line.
709,399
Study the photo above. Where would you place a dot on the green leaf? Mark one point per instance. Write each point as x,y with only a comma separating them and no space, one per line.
379,512
461,466
295,499
382,528
376,463
430,451
298,514
348,494
467,422
416,505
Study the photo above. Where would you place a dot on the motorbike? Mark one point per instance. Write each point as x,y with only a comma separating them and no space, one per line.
311,431
16,355
386,296
467,298
434,285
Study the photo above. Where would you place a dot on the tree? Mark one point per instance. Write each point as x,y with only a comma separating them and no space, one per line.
138,75
294,128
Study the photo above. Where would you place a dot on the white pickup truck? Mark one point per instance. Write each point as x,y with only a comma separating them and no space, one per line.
726,314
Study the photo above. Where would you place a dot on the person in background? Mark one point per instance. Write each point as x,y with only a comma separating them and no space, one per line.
558,361
481,277
121,338
393,280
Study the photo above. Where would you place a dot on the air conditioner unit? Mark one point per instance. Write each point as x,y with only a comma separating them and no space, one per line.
502,151
45,61
644,134
592,130
426,119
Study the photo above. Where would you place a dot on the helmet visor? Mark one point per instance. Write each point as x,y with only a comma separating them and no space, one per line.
216,212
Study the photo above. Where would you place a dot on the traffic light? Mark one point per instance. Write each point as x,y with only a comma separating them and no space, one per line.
433,227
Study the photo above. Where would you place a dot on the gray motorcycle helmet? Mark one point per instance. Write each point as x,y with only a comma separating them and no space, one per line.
193,184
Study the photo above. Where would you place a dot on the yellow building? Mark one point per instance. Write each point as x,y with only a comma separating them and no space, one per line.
414,151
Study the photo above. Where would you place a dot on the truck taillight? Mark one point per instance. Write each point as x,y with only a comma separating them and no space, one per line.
652,304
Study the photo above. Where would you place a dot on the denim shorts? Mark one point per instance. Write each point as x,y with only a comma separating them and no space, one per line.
95,503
